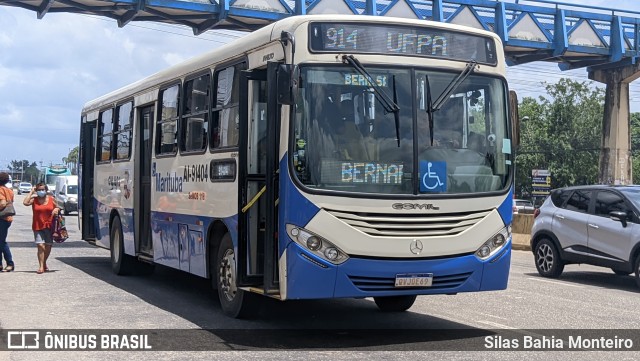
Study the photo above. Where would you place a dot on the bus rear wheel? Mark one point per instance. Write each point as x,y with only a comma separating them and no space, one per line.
121,263
395,303
234,301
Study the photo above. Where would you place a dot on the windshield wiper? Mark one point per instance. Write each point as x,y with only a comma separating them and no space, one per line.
446,93
455,83
429,107
389,105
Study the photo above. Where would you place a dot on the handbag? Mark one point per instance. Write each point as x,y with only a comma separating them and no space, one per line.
58,230
7,211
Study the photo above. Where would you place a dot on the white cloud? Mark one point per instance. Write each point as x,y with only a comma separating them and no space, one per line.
50,68
173,58
5,40
10,116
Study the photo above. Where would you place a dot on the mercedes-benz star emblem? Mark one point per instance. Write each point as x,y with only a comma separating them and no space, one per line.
416,246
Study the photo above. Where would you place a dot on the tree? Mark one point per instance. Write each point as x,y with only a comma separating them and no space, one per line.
71,160
562,134
24,171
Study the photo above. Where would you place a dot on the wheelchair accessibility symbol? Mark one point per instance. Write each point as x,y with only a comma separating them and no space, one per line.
433,177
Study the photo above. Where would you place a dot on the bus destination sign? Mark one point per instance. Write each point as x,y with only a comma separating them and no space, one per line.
401,40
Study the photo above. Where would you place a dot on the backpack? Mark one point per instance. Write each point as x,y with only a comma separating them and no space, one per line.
58,229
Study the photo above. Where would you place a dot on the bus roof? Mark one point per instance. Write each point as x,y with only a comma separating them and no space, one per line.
253,40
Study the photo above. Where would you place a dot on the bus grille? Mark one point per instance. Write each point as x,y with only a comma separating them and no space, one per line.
379,284
410,225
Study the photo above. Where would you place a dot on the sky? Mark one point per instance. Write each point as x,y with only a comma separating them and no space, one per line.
50,68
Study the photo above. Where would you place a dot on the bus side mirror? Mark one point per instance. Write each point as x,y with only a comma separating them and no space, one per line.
515,119
287,83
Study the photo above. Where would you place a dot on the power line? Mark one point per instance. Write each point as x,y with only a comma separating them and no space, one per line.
212,32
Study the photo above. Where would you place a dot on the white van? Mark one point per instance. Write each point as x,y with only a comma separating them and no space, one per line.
67,193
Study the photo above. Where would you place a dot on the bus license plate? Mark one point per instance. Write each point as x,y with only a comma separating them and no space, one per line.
414,280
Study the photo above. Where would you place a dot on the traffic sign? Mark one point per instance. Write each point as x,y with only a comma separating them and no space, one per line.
541,181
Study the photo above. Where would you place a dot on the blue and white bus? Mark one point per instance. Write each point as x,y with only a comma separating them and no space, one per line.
51,174
319,157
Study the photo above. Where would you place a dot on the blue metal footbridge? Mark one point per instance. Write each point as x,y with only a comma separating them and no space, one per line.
605,41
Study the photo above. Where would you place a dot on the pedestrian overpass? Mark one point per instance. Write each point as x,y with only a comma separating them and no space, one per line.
605,41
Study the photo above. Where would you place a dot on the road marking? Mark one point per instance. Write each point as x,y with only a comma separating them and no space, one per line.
495,324
494,316
555,282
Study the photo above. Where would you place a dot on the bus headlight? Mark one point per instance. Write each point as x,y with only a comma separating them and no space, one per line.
493,244
314,243
317,245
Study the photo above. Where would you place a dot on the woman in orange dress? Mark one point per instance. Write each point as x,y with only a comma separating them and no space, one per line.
44,208
6,197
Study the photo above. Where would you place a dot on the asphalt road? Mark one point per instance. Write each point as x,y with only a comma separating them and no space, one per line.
81,292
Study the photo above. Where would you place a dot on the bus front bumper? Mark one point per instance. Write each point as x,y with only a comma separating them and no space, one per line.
309,277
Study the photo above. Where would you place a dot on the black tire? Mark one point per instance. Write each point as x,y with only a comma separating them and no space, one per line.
547,258
235,302
621,273
64,210
637,272
121,263
395,303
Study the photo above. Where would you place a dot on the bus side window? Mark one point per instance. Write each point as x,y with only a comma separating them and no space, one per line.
195,114
226,107
105,136
123,130
166,141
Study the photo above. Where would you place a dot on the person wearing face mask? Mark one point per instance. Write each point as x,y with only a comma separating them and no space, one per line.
44,208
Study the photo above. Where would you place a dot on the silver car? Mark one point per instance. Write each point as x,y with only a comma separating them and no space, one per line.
24,187
524,206
597,225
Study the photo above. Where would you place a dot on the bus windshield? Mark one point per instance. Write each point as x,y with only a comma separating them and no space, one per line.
346,141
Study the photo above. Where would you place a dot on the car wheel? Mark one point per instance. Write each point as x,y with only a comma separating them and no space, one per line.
621,273
394,303
547,258
235,302
638,270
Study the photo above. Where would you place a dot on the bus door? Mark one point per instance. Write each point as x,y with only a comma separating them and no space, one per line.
142,194
86,157
258,182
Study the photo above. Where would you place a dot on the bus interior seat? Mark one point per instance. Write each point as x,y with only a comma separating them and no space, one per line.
346,133
479,178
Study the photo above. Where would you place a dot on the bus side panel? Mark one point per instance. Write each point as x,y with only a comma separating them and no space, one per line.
180,240
101,223
294,207
128,230
165,240
310,280
496,272
103,213
506,208
308,277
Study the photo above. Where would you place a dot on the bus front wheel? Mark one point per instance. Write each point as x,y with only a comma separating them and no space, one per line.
234,301
394,303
